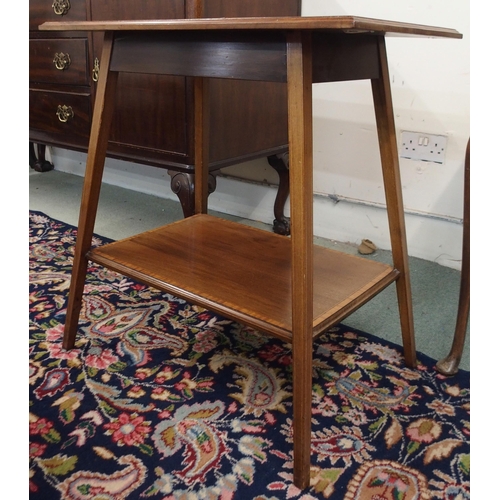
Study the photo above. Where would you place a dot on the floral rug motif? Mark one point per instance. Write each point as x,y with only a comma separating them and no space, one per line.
164,400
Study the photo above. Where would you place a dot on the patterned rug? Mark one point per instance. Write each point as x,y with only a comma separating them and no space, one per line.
164,400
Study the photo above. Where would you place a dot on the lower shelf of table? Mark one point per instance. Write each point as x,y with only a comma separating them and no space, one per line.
243,273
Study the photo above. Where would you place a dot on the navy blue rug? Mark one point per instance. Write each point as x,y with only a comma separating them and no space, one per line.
161,399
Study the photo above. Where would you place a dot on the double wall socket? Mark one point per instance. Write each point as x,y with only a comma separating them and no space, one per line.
422,147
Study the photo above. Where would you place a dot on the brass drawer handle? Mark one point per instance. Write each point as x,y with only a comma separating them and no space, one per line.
61,61
95,70
61,7
64,113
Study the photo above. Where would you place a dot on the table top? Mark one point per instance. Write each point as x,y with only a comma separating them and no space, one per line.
350,24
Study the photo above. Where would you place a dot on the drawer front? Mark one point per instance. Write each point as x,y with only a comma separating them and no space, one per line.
59,60
250,8
56,10
61,117
108,10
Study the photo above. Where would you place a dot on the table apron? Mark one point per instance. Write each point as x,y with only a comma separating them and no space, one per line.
257,56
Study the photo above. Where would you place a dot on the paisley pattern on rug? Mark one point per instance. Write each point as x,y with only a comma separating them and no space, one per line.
164,400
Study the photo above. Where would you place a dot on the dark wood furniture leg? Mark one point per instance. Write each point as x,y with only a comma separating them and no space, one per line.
281,224
392,181
201,141
39,164
182,184
299,85
449,365
103,113
33,157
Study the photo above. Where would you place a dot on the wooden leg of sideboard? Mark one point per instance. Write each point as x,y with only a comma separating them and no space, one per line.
392,182
201,143
281,223
103,112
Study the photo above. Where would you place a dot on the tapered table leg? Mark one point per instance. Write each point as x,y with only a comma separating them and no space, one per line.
392,181
103,112
299,70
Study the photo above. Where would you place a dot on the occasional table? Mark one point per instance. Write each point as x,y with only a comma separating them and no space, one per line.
283,286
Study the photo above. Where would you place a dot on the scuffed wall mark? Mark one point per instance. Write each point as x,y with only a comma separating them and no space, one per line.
371,222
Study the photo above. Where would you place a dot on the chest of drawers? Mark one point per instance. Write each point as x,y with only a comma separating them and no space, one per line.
247,119
60,102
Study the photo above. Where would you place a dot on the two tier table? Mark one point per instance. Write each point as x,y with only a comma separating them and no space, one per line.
284,286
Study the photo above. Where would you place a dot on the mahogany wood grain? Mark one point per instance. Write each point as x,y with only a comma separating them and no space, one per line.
215,55
185,259
103,113
121,10
353,24
195,9
241,56
41,11
42,68
334,65
44,123
222,8
229,137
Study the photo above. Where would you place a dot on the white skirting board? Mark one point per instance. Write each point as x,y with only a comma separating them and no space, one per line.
430,238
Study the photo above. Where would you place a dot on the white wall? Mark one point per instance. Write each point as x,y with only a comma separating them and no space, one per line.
430,85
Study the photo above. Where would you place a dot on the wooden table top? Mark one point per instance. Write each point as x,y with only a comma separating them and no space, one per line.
352,24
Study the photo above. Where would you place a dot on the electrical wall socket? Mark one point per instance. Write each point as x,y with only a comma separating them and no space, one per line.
423,147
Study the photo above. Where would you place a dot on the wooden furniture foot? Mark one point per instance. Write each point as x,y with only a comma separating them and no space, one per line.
40,164
182,184
449,365
280,163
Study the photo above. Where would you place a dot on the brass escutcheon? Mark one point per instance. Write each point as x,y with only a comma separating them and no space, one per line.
95,70
61,7
61,61
64,113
